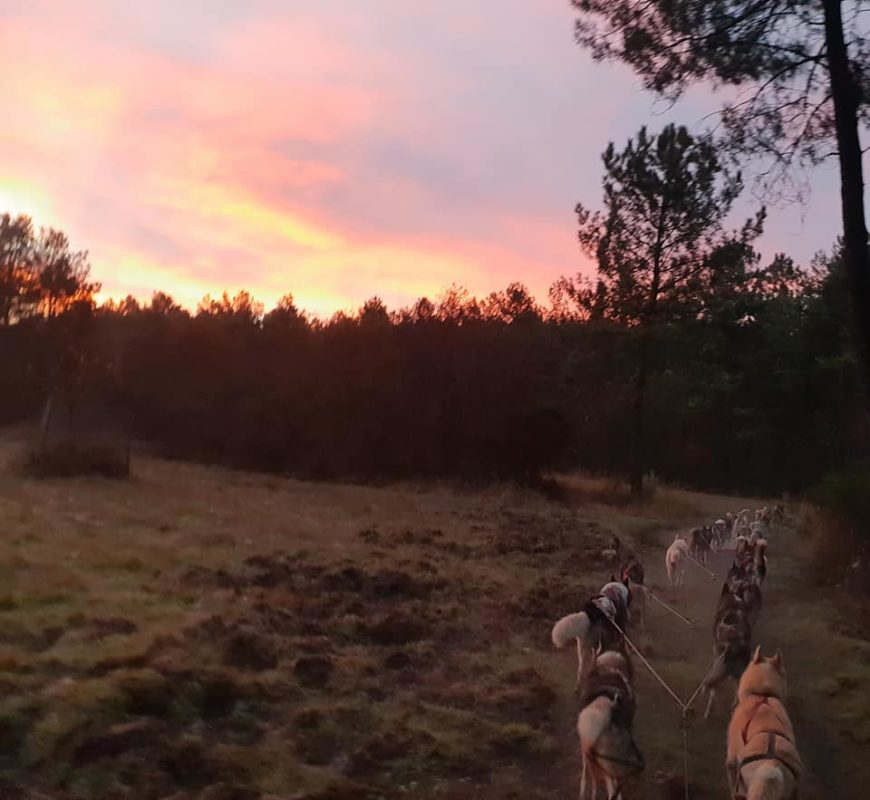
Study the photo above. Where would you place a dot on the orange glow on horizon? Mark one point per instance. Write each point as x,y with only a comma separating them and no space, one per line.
265,165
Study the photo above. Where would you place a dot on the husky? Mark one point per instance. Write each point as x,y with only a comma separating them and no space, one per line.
699,543
729,525
743,550
720,534
741,586
749,594
763,762
732,643
619,594
740,583
759,561
763,515
607,706
675,561
631,573
632,570
736,574
611,552
741,522
758,530
593,626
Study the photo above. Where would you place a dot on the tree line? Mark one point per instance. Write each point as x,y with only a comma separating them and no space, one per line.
684,355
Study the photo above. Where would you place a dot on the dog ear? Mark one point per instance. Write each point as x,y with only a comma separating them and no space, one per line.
756,659
776,661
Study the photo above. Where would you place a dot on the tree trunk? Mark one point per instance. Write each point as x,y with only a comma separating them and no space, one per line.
638,453
846,97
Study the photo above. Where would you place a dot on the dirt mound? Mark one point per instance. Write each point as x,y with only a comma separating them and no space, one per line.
250,650
396,628
526,696
383,748
551,598
270,571
226,791
100,628
346,790
197,577
119,739
313,672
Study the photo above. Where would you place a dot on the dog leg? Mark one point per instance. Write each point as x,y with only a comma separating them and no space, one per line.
711,693
583,778
579,663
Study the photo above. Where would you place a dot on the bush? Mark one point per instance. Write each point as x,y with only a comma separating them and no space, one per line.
840,525
846,497
71,460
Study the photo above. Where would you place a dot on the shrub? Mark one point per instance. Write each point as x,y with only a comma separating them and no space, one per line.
840,525
846,497
71,460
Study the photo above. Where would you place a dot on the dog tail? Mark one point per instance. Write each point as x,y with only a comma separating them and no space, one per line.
567,629
767,782
593,721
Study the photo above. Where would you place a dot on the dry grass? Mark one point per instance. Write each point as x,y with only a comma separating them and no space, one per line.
203,633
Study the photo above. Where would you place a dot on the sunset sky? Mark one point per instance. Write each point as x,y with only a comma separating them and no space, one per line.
334,149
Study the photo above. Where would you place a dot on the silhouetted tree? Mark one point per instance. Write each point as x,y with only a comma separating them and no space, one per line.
749,373
19,293
62,274
807,68
665,201
163,305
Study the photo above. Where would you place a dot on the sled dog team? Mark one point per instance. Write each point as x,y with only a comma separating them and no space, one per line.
762,759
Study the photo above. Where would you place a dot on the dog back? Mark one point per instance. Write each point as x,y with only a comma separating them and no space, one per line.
765,731
616,685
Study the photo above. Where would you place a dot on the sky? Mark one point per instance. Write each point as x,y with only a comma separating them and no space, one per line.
332,149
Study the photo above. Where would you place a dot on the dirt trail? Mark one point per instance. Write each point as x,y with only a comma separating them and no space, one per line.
683,655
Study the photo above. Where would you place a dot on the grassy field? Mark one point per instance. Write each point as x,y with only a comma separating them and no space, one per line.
200,633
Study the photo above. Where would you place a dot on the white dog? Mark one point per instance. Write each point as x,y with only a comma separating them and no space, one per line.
675,561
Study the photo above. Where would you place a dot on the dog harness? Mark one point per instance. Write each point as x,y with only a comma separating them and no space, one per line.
605,605
635,766
619,696
770,751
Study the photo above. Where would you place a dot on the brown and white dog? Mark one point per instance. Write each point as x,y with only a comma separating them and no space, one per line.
763,762
607,706
631,574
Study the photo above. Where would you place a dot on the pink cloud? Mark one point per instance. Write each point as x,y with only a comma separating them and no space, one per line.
335,151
